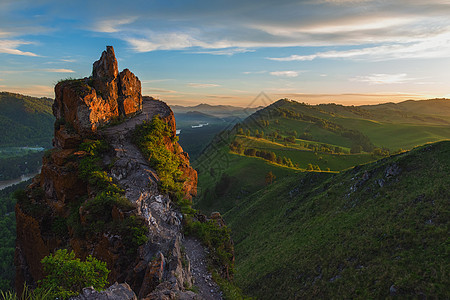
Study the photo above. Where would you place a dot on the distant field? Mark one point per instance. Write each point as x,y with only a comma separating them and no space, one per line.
336,162
395,136
236,177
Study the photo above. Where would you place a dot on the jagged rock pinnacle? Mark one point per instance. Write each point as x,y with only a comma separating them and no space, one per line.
106,66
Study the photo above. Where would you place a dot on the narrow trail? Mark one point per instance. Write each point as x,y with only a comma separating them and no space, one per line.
207,288
139,180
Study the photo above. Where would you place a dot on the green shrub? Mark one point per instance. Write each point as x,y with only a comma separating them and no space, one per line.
66,275
94,147
98,210
151,138
218,239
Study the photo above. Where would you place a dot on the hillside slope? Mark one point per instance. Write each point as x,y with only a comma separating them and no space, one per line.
374,231
25,121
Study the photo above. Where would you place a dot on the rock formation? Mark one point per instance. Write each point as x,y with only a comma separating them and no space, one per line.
88,103
159,268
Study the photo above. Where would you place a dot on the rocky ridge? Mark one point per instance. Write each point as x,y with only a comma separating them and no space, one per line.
160,269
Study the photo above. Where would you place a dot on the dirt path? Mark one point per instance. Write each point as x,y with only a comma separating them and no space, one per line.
207,288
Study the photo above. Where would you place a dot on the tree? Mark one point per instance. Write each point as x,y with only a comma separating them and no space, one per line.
250,152
66,275
356,149
270,177
310,167
247,133
241,131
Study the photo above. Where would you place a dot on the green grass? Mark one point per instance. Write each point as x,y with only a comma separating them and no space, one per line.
310,236
395,136
304,156
244,175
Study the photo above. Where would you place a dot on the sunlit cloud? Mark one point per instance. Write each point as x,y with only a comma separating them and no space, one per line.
254,72
155,80
59,70
157,90
285,73
203,85
31,90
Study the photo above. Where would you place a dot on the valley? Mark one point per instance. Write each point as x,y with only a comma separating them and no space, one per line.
331,190
323,204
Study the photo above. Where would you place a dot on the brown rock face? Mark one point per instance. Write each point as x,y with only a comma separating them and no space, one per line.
85,104
130,100
106,66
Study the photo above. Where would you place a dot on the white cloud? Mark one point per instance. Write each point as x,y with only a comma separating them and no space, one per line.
228,52
112,25
431,47
285,73
10,47
203,85
383,78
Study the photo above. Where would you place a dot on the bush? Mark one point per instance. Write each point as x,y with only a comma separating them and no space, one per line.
151,138
66,275
217,238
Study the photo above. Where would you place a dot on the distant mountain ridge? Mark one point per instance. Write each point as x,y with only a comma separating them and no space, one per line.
217,110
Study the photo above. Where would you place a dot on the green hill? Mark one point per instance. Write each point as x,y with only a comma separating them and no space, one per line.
373,231
376,230
25,121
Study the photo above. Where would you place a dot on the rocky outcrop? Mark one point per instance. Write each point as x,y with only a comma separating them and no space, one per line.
114,292
86,104
158,269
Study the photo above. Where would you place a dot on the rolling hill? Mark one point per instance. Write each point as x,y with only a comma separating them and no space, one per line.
353,231
375,231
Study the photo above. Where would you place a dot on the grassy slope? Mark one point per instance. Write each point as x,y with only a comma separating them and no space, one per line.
25,121
317,235
395,136
382,126
244,175
308,236
302,156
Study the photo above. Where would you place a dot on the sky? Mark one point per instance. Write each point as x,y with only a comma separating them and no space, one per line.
188,52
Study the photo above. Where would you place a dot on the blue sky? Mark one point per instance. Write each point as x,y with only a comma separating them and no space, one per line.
227,52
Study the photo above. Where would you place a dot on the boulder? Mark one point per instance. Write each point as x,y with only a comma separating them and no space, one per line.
114,292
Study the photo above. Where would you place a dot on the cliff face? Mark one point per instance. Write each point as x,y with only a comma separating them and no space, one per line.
56,209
